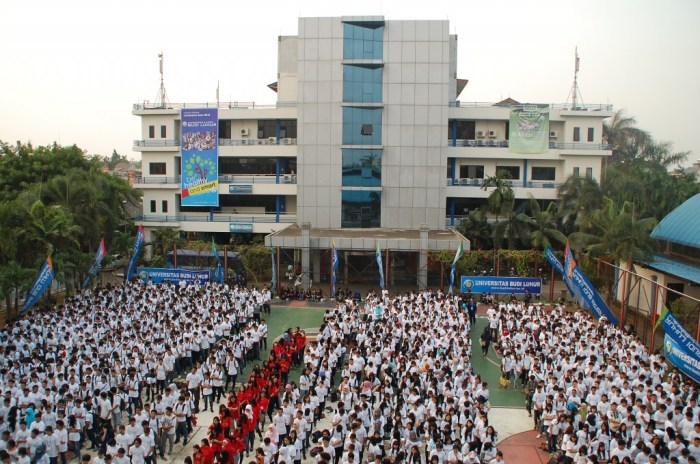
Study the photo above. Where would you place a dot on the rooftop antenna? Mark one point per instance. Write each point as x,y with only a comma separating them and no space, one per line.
575,94
162,97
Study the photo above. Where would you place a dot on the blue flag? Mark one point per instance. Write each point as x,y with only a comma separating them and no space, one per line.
219,273
41,283
334,268
95,268
381,268
135,253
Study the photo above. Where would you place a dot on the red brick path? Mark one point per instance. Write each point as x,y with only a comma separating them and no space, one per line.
523,448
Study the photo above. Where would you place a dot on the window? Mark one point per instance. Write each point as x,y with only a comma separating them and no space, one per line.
471,171
362,168
268,128
163,132
466,130
361,209
151,132
156,169
362,84
577,134
164,206
542,173
589,173
355,121
153,206
591,133
514,171
577,172
363,41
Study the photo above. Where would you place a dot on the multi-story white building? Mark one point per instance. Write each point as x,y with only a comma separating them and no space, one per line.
367,144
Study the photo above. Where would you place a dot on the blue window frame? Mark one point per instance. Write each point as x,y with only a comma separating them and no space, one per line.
362,168
362,42
361,209
362,126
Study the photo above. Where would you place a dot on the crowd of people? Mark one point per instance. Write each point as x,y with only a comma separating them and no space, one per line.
124,371
595,393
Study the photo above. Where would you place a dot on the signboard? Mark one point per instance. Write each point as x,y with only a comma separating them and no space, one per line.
528,130
200,157
488,284
158,275
240,188
240,227
688,363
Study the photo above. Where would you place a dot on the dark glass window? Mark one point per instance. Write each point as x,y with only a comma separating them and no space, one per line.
363,42
255,166
471,171
542,173
577,134
156,169
466,130
361,209
151,132
163,132
591,134
268,128
153,206
362,85
353,121
362,168
164,206
514,171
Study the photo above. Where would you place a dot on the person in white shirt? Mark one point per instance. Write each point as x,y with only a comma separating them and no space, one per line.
137,453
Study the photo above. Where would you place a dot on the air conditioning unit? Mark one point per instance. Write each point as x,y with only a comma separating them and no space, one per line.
479,134
272,140
287,141
492,134
260,141
553,134
245,132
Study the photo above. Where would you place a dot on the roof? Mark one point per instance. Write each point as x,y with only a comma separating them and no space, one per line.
674,267
682,225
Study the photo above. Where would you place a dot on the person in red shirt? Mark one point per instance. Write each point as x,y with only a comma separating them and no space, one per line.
207,451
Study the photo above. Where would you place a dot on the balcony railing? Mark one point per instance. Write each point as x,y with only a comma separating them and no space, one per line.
551,106
466,182
222,142
493,143
218,217
222,105
224,179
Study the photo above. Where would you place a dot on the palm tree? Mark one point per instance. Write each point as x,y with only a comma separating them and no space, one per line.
502,198
164,240
617,233
543,224
621,133
577,198
477,229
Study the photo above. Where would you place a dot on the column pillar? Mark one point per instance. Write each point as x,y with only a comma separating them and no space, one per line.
423,258
316,258
305,250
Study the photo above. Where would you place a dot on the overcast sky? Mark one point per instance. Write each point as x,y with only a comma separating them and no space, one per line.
71,70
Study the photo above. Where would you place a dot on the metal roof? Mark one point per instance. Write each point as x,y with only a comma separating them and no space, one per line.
682,225
670,266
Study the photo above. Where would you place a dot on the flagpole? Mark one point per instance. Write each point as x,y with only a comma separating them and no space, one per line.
330,281
551,286
654,315
386,270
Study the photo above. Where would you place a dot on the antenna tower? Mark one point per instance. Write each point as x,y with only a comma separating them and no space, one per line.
575,93
162,98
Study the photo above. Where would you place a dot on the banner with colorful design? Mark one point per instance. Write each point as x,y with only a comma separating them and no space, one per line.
528,131
95,268
381,266
135,251
200,157
334,268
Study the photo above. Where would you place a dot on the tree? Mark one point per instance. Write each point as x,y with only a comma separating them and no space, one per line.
15,280
164,240
543,224
256,261
477,229
617,234
502,198
578,197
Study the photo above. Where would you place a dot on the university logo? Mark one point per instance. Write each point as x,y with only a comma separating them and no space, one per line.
668,347
143,275
469,283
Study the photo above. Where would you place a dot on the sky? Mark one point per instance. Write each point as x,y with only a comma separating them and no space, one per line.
72,70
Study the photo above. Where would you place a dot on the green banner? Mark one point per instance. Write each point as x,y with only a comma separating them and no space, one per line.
529,130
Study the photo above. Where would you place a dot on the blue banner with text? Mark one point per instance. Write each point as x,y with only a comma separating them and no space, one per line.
489,284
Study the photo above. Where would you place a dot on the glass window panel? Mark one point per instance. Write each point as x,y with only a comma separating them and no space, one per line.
362,168
361,209
354,118
543,173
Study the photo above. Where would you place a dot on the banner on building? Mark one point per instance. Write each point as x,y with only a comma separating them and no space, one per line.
158,275
453,271
334,268
200,157
219,272
381,266
528,131
42,282
490,284
688,363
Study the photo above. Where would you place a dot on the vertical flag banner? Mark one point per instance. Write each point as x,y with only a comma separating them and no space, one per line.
219,273
675,330
135,253
458,254
95,268
528,130
381,268
200,157
334,268
274,269
42,282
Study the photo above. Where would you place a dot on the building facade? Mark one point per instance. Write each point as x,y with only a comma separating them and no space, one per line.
367,145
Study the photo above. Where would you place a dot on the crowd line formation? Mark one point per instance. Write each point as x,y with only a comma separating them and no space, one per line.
123,371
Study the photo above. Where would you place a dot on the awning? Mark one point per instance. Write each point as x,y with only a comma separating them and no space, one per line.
675,267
